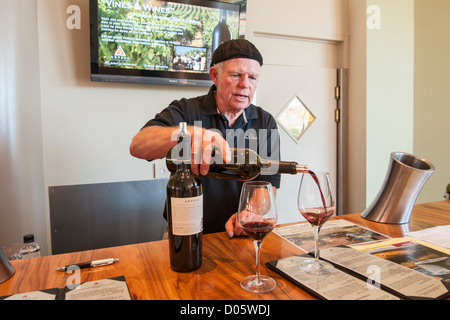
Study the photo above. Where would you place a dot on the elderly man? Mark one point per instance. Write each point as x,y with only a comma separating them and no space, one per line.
225,110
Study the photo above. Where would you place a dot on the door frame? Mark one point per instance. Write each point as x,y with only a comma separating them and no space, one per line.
341,94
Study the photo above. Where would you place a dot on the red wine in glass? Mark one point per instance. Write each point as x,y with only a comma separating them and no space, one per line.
316,204
318,216
257,230
257,214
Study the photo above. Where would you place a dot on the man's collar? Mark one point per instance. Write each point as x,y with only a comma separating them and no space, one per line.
209,106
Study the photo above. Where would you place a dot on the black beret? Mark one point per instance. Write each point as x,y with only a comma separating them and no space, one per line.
238,48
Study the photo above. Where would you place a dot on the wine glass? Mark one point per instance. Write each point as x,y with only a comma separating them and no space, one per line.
316,204
257,214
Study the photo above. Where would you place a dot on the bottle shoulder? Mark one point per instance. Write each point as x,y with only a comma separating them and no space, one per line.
30,247
184,181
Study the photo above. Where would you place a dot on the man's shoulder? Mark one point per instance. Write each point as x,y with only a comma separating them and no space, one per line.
183,102
257,112
201,101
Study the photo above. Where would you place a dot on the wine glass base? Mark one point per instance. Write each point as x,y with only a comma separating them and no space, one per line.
315,267
265,284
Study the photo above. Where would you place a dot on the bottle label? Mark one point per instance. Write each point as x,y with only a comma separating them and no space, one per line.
187,215
30,254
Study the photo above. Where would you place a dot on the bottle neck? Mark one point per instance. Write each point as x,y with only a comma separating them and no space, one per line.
290,167
223,16
181,153
183,166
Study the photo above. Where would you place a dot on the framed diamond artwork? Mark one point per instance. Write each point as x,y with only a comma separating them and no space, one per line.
295,118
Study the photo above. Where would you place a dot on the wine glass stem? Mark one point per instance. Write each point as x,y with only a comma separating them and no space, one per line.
258,255
316,243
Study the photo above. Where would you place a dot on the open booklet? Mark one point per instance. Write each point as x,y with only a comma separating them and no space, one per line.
413,253
391,270
105,289
333,233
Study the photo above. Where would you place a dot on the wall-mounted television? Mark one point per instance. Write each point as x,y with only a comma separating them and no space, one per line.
161,42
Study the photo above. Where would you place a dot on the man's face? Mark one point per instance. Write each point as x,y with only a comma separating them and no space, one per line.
236,84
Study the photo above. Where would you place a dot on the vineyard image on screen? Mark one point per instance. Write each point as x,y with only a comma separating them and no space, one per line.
150,35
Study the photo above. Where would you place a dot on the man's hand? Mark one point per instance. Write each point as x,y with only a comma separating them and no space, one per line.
233,227
202,144
154,142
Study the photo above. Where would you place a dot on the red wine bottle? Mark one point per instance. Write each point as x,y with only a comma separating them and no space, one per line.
184,209
245,165
221,32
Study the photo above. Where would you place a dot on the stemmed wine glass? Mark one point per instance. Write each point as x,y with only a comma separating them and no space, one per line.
257,215
316,204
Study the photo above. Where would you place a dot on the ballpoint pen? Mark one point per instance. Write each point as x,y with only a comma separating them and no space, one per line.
89,264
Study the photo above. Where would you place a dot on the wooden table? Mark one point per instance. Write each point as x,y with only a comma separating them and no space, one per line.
225,263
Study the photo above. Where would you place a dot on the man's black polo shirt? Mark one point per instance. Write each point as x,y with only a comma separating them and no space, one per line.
255,128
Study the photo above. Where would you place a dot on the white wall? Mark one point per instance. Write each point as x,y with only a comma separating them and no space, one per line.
431,94
407,95
390,89
22,208
316,18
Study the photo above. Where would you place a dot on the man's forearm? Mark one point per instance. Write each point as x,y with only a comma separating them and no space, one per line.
153,142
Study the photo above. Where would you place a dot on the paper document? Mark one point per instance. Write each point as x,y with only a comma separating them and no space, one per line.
437,235
333,233
104,289
403,280
335,286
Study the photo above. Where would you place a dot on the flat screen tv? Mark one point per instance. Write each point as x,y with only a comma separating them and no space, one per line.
163,42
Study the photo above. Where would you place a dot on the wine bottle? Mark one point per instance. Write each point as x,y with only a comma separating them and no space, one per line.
184,209
221,32
30,248
245,165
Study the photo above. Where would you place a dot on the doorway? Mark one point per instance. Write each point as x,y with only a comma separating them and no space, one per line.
307,70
